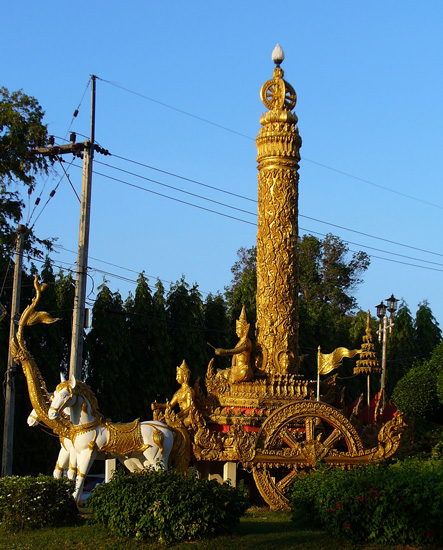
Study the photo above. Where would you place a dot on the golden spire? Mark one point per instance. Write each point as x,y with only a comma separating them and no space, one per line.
368,362
278,144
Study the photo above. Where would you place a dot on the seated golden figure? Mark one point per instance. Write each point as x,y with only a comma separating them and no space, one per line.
183,397
241,370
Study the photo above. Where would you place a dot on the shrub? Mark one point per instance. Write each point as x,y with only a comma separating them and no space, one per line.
416,393
399,503
33,502
166,506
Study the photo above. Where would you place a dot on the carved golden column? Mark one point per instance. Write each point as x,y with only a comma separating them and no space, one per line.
278,144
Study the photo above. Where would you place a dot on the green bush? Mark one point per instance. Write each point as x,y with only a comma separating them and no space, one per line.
33,502
416,393
166,506
399,503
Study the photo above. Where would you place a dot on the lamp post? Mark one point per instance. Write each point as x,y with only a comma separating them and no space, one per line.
382,313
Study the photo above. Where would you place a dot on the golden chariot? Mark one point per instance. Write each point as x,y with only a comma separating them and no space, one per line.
266,417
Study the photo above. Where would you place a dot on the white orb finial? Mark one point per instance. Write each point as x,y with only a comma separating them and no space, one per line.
277,55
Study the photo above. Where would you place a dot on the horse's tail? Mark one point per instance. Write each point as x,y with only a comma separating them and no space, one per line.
158,439
181,450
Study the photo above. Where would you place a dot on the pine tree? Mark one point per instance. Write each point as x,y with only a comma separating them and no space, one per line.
142,372
108,355
185,313
427,332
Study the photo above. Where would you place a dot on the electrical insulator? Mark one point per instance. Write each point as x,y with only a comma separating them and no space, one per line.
73,137
37,201
51,141
52,193
75,113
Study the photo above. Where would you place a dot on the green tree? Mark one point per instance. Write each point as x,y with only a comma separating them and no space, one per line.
161,359
243,288
427,331
327,274
217,325
21,130
185,313
142,370
108,355
418,392
402,350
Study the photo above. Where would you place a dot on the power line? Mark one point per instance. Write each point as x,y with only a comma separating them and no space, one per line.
175,109
255,201
170,198
251,223
248,199
207,121
185,179
176,188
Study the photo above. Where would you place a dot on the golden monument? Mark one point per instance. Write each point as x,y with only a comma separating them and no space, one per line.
261,414
278,144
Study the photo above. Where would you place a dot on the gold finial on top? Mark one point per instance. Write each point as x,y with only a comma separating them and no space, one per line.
277,94
278,55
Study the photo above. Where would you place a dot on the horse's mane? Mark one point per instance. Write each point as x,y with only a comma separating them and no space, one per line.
83,390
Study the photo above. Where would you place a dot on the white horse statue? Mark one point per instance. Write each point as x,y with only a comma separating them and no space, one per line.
138,445
62,466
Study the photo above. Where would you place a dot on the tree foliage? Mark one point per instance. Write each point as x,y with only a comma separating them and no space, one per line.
327,274
427,330
108,355
21,130
185,313
417,393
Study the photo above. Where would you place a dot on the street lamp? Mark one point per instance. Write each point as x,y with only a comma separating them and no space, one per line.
382,314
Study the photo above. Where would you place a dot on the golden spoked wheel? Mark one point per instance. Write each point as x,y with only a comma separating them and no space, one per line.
295,437
278,94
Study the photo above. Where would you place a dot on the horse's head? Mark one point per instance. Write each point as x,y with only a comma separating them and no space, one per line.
64,396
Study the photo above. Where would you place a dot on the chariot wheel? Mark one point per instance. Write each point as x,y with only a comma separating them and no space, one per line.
297,437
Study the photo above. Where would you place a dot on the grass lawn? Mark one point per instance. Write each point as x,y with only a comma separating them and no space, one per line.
260,529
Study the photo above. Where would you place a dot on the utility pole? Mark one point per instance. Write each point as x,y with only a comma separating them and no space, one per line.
85,149
78,318
8,427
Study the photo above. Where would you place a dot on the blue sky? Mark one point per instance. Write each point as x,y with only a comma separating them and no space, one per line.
369,82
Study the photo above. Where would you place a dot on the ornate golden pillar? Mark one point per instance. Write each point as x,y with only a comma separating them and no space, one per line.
278,144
